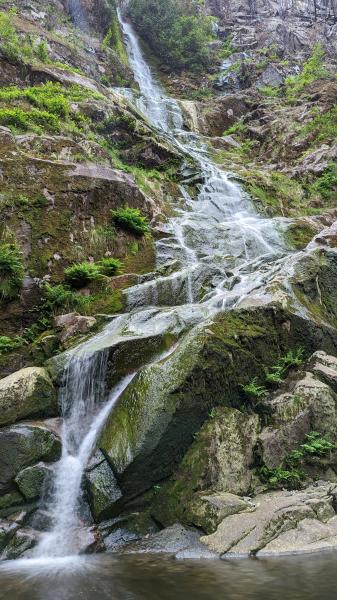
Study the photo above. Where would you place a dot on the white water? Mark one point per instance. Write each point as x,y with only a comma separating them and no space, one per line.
217,251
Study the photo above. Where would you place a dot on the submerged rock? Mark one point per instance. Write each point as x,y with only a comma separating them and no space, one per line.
27,393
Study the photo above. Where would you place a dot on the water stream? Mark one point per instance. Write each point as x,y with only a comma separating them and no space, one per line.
216,251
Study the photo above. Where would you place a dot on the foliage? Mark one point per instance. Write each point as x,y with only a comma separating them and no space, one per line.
109,266
326,184
175,31
281,477
52,107
254,390
81,274
131,219
290,474
58,296
322,127
113,39
238,127
12,46
269,91
11,271
315,445
8,344
227,48
18,119
313,69
293,358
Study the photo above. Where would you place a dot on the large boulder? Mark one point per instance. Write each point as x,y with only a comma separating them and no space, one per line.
215,468
275,513
166,404
27,393
24,445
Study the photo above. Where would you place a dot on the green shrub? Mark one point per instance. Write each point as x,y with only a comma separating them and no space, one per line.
293,358
58,296
290,474
254,390
315,445
42,52
11,271
281,477
326,184
8,344
109,266
313,69
81,274
16,118
131,219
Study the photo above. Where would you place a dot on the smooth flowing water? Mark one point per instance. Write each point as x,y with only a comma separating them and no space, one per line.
216,251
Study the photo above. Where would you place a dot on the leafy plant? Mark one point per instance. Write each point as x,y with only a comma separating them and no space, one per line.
293,358
22,119
109,266
58,296
81,274
281,477
11,271
131,219
254,390
8,344
313,69
315,445
290,473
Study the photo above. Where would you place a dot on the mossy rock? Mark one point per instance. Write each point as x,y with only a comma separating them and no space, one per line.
30,480
27,393
24,445
166,404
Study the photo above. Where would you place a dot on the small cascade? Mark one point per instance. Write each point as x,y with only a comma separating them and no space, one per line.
85,407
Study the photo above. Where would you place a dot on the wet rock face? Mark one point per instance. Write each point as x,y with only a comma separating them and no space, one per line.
103,490
27,393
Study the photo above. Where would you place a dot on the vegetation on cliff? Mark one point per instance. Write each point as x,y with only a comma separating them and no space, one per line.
175,32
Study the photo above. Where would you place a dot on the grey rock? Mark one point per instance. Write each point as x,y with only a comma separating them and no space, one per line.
169,541
27,393
30,480
24,445
275,513
103,490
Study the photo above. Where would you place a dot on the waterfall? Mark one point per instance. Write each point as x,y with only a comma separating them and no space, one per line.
217,251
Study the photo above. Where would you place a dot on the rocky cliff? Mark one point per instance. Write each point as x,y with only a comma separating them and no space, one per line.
229,427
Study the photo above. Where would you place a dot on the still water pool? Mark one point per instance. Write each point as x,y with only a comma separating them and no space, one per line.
151,578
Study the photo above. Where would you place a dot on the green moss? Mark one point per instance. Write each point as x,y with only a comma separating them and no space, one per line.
313,69
298,235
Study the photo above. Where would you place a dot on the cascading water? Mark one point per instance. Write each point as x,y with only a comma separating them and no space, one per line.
216,248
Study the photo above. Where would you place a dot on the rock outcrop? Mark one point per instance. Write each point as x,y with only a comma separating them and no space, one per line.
28,393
